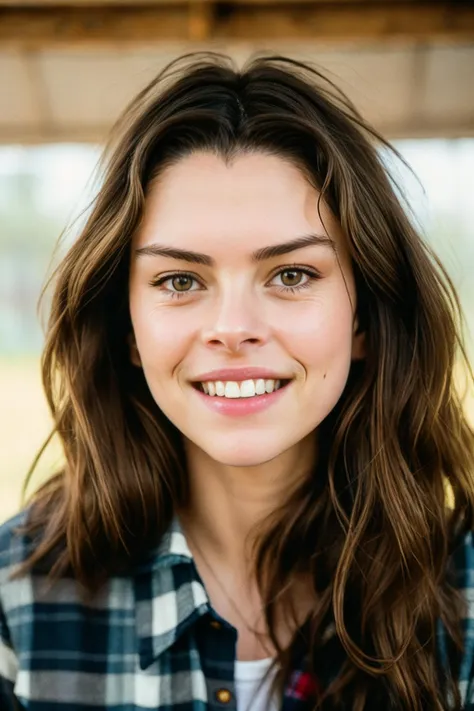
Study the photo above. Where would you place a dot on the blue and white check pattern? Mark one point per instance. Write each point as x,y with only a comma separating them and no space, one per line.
148,641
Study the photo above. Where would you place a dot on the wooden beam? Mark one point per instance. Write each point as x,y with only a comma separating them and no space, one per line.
200,21
130,3
333,22
37,89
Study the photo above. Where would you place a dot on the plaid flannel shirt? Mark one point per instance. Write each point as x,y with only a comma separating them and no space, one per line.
150,640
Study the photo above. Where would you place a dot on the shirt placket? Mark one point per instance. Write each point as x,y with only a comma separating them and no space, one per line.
217,641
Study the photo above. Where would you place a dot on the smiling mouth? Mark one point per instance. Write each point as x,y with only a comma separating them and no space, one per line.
233,389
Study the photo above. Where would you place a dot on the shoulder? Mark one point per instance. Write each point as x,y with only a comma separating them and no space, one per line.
15,546
461,562
461,577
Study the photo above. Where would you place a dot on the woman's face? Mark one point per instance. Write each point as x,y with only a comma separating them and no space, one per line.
232,270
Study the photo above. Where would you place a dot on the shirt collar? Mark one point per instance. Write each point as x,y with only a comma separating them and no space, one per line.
172,550
169,595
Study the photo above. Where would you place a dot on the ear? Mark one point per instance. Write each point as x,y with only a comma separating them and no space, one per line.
133,350
359,350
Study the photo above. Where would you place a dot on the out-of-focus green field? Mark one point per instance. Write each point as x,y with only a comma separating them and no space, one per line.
24,425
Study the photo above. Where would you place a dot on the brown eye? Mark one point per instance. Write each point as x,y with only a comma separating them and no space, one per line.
181,282
291,277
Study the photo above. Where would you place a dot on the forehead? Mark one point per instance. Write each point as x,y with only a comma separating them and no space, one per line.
254,200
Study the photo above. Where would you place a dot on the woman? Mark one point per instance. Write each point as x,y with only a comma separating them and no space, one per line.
250,364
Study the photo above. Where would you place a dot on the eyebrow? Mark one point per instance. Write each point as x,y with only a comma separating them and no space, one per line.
260,255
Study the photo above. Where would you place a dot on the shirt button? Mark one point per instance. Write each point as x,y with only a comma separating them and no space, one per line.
223,696
216,624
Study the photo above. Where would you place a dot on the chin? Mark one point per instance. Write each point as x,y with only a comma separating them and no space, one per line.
238,455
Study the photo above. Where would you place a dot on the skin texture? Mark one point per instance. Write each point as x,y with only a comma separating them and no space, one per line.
235,314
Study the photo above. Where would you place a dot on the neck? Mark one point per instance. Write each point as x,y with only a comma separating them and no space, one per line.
226,504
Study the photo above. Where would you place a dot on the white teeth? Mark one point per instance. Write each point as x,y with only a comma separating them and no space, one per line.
232,390
247,388
269,386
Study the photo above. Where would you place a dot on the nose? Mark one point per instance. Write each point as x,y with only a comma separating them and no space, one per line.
237,323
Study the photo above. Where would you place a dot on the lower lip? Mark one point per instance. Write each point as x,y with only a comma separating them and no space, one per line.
243,405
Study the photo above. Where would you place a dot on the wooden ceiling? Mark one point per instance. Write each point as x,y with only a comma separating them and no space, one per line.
42,23
68,68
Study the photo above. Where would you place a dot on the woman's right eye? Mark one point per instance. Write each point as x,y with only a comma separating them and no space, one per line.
177,284
181,282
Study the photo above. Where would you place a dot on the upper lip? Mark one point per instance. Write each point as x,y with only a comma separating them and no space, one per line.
238,374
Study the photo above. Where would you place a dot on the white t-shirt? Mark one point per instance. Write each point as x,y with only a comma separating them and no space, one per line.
252,695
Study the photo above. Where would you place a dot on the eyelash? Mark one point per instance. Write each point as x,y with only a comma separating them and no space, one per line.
312,275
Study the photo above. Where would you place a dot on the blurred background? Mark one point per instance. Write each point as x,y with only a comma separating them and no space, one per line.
68,68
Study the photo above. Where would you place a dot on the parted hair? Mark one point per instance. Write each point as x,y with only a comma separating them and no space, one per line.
369,525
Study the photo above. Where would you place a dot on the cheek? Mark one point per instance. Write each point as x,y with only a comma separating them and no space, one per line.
160,341
320,336
322,344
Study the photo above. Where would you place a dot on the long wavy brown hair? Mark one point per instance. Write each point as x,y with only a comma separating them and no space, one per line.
370,526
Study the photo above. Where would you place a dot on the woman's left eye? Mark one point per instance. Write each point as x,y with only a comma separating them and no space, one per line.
295,278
